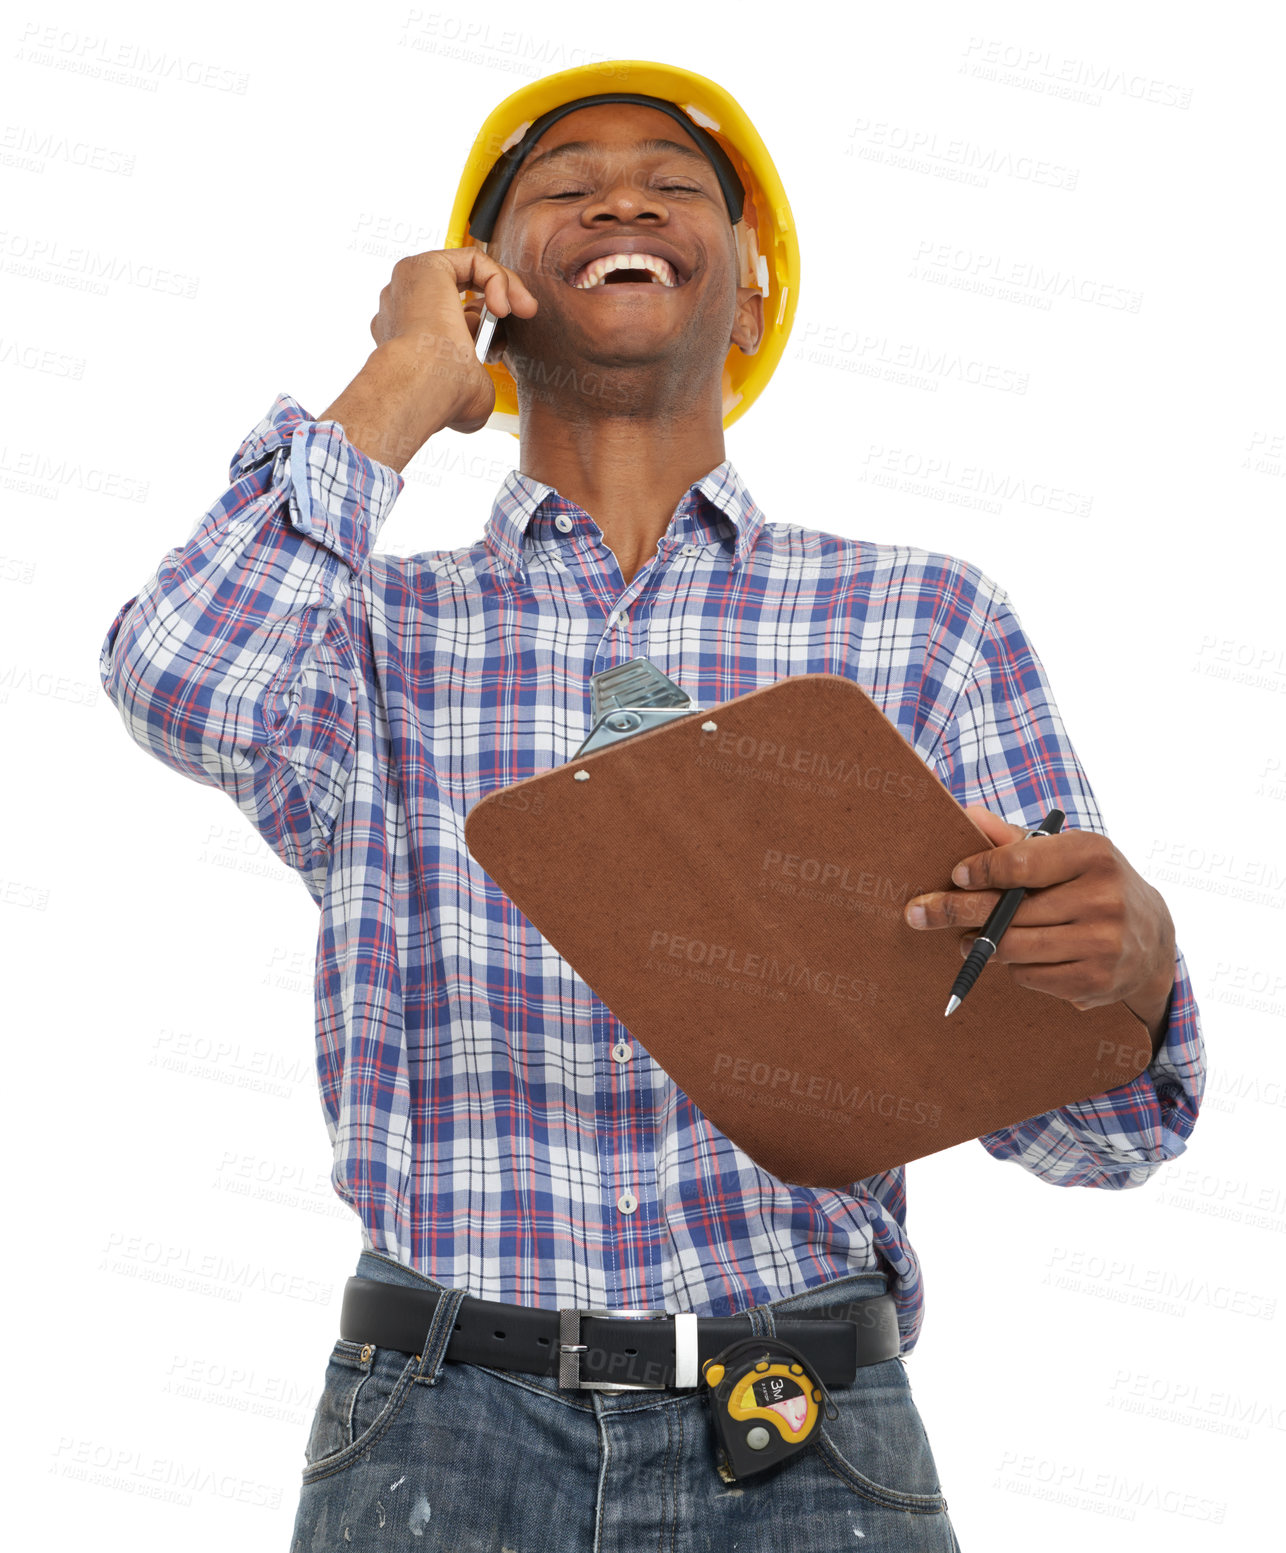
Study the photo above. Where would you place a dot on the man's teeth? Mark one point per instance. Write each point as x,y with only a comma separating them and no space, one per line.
593,274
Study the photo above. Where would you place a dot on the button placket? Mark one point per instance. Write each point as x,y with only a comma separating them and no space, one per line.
626,1202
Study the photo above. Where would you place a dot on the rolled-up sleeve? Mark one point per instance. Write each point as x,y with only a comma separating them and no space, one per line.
1005,747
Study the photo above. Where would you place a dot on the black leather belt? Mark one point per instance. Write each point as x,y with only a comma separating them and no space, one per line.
603,1350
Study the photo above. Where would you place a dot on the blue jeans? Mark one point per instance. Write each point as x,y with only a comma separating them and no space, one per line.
419,1454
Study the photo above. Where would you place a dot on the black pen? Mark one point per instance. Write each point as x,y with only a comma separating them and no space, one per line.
993,929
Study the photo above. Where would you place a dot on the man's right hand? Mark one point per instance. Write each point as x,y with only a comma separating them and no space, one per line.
424,373
420,308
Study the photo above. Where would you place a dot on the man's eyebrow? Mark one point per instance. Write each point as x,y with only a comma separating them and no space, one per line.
648,147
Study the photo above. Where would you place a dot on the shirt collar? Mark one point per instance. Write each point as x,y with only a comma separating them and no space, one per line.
716,512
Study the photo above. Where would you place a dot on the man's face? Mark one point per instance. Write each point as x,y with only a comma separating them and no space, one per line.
600,192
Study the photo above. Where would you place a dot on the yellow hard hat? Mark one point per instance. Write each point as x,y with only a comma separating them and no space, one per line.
766,242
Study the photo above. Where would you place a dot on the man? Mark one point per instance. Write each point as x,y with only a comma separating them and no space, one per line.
511,1152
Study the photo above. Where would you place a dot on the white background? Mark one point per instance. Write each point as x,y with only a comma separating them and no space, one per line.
215,227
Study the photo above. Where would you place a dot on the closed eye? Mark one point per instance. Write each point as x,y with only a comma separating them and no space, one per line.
679,188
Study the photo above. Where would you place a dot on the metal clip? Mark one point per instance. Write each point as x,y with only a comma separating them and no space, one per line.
632,698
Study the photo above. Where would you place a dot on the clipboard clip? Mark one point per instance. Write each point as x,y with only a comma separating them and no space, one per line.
631,698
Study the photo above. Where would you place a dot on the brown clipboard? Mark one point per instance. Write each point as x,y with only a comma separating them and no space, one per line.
731,884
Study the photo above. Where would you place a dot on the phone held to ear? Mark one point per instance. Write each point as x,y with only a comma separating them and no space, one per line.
486,328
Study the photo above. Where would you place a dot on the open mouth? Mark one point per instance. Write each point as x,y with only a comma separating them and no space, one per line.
626,269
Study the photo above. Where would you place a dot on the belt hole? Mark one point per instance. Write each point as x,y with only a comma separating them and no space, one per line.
631,1352
544,1341
497,1334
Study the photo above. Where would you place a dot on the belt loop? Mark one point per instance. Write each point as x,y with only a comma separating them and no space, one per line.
761,1322
441,1326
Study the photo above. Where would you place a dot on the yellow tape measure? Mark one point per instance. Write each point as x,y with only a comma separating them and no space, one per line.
765,1405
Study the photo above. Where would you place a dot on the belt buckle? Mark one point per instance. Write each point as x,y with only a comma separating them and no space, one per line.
570,1349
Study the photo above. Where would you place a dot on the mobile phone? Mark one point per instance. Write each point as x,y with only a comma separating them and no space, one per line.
486,328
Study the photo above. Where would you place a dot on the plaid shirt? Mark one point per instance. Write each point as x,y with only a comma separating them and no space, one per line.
493,1125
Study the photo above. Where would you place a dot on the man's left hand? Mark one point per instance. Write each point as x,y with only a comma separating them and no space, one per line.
1091,930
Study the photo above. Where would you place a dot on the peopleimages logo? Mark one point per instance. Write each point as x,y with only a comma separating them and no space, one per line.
732,960
741,1070
839,876
758,752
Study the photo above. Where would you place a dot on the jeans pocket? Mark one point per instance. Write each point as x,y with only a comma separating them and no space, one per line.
363,1392
878,1446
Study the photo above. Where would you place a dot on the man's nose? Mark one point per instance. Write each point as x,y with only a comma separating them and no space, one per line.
627,198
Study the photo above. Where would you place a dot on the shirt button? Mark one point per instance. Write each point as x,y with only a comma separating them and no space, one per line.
689,549
627,1202
563,523
621,1052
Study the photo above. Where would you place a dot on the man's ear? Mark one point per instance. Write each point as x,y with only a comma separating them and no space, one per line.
748,325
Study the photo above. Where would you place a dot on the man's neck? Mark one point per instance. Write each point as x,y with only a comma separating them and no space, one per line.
628,472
